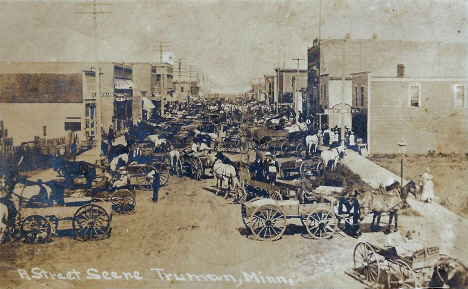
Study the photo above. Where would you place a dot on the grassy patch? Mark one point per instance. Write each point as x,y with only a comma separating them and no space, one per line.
450,173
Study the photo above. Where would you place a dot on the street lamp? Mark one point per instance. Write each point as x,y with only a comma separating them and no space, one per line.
402,150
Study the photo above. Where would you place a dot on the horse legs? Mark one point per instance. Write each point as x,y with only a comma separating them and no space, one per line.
396,221
390,220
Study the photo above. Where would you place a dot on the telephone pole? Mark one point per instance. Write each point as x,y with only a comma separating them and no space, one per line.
296,92
98,116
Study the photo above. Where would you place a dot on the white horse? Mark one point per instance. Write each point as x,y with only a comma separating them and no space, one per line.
331,157
224,172
174,156
154,138
115,161
312,142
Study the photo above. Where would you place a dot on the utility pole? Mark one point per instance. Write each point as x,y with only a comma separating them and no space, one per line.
98,116
343,87
296,92
258,90
277,90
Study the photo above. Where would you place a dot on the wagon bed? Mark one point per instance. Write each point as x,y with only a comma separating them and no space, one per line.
378,264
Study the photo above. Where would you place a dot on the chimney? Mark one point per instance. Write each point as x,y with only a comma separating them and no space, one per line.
400,70
374,36
348,35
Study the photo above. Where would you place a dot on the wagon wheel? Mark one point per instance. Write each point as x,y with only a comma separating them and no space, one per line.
36,229
321,223
366,264
197,168
401,275
144,181
320,168
91,222
300,151
285,149
276,196
303,169
123,201
164,174
268,222
264,141
240,196
244,147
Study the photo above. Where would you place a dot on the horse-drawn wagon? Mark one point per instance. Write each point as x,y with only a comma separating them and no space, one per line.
301,167
261,136
267,218
388,265
31,211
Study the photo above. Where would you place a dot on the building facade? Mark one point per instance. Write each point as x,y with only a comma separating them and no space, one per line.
431,114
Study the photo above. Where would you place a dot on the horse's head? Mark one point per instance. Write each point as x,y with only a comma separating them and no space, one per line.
410,187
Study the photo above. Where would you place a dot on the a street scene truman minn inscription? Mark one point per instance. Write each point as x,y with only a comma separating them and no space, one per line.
234,144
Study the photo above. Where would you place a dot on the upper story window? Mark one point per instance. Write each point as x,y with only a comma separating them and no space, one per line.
325,91
415,95
181,89
293,79
460,96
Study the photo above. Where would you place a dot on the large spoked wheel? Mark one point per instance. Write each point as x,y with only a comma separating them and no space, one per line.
300,151
276,196
401,275
123,201
268,222
91,222
240,196
285,149
244,147
303,169
264,142
144,181
366,264
320,168
36,229
164,174
197,168
321,224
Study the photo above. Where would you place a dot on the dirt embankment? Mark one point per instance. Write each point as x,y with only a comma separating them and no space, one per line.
450,176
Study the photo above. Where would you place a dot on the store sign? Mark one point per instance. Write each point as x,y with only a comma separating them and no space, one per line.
73,126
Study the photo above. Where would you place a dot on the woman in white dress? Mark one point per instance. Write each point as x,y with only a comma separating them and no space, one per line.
428,186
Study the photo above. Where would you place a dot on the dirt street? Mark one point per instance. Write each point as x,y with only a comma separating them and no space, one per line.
190,231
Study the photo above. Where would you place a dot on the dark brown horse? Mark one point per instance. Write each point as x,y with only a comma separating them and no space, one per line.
451,272
378,203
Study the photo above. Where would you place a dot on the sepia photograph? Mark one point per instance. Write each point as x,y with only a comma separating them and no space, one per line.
270,144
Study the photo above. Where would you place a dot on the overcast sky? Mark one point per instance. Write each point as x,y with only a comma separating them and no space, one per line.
232,42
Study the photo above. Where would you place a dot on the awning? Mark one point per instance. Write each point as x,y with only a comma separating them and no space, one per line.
147,104
121,83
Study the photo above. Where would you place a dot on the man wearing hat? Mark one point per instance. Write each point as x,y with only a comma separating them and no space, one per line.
273,167
156,183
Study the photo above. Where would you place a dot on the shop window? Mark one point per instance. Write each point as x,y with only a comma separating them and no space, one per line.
356,96
362,96
415,96
460,95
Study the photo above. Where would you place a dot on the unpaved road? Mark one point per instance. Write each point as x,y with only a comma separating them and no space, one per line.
191,231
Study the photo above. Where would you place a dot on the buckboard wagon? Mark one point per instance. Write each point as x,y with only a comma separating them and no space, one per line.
377,264
88,221
301,167
267,218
